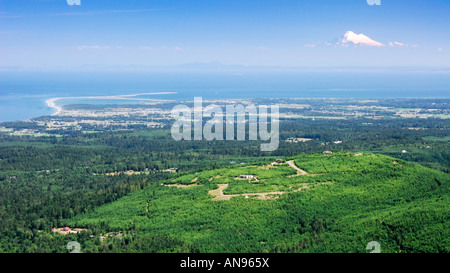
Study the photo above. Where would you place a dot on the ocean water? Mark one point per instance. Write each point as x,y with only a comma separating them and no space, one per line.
23,95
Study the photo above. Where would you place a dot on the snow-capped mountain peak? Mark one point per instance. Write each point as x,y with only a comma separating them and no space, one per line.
351,38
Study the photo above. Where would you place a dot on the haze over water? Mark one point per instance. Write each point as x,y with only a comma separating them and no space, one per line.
23,94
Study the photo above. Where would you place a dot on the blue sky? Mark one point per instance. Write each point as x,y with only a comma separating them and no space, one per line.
50,33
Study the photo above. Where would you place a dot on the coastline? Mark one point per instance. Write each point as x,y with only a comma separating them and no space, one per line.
52,102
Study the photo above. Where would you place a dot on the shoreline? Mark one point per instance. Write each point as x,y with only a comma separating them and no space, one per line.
52,102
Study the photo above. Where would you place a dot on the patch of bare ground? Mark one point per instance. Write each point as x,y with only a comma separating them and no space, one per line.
396,163
211,178
268,166
181,185
220,196
218,193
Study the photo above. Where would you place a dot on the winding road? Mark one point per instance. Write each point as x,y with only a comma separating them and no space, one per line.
300,171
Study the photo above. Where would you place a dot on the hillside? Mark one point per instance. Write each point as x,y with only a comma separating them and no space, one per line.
308,203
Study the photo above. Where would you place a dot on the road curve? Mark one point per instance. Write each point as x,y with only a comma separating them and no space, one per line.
292,164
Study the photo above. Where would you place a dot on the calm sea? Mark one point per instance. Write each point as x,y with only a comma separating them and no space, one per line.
23,94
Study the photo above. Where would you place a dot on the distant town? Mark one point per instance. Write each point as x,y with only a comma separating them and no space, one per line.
87,118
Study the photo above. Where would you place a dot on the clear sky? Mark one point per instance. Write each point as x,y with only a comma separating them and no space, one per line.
50,33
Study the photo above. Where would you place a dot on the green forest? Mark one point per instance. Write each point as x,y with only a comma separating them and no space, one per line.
160,196
350,200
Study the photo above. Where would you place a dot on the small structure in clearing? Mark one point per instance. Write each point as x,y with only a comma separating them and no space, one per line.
171,170
297,139
67,230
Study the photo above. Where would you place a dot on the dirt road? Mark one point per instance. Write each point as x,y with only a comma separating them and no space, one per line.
299,171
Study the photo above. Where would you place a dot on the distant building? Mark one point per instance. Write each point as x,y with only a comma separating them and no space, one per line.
172,170
327,152
297,139
246,176
404,151
337,142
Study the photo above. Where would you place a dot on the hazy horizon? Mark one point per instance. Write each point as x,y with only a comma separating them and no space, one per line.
24,93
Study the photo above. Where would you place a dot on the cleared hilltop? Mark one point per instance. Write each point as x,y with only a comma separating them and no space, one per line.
335,202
